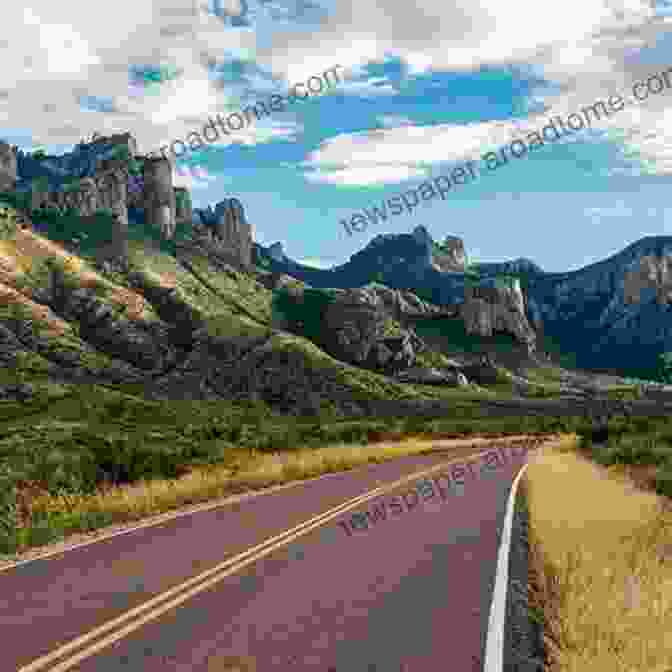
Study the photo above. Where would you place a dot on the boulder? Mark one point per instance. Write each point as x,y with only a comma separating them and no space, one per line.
432,376
483,371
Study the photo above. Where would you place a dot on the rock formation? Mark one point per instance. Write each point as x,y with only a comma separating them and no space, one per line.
450,255
183,212
432,376
615,314
229,230
159,196
650,281
223,233
357,327
489,309
276,252
8,167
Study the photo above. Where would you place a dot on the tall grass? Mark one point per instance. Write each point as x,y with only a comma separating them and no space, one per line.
601,567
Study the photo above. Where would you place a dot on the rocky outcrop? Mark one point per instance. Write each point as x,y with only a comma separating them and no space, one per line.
234,230
277,253
357,328
450,256
183,211
489,309
614,315
432,376
402,305
102,183
482,371
227,231
650,281
8,167
159,196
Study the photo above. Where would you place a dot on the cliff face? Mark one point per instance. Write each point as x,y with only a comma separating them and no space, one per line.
227,231
102,182
159,196
616,313
450,255
8,167
489,309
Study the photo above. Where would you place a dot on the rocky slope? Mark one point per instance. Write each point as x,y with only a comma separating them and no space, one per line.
183,326
615,315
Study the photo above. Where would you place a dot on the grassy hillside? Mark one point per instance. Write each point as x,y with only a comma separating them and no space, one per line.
170,365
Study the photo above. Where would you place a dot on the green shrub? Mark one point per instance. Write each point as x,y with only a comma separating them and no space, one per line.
664,479
664,367
8,510
304,312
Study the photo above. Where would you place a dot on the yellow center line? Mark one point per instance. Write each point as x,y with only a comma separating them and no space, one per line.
208,578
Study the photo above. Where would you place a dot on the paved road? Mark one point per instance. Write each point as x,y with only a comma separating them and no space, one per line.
407,584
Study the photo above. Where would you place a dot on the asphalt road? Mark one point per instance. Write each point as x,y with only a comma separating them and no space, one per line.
401,581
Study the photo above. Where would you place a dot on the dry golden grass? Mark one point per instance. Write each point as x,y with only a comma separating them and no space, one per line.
20,254
602,562
244,471
41,315
31,247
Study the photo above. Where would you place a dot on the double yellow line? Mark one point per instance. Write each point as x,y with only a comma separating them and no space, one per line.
103,636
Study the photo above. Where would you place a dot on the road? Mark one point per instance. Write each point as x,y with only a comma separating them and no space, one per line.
405,587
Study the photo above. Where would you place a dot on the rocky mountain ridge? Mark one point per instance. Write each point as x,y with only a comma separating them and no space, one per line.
614,315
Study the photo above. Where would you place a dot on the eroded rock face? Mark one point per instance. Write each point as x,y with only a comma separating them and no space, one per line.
400,304
233,230
488,309
223,234
357,328
652,280
450,256
276,252
613,314
8,167
432,376
183,211
159,196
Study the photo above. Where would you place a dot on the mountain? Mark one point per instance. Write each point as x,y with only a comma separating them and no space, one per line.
616,314
613,316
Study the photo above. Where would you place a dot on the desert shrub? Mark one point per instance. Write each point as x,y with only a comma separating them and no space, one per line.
664,479
8,510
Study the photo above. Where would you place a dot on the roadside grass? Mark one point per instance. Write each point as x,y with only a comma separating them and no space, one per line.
640,448
601,567
245,470
74,443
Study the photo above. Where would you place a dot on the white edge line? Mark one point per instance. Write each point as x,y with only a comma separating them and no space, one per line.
494,646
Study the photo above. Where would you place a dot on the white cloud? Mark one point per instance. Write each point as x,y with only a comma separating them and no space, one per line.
431,34
55,54
371,174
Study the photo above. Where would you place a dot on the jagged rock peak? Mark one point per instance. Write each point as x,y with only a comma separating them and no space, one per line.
277,252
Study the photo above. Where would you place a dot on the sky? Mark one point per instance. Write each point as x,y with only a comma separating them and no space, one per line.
424,87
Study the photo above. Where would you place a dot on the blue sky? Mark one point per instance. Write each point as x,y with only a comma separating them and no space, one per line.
424,87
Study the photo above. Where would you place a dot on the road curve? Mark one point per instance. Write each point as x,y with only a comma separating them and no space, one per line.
381,577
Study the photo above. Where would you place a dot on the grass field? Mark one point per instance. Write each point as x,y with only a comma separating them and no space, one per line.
601,560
